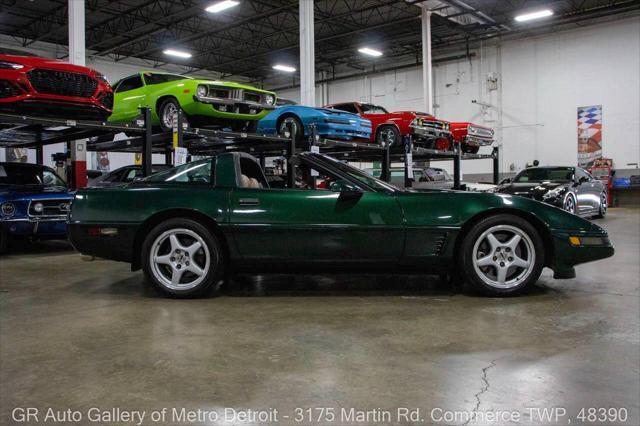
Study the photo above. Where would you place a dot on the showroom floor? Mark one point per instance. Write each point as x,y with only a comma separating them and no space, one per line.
77,334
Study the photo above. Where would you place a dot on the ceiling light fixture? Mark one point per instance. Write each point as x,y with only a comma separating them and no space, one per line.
285,68
369,51
534,15
178,53
221,5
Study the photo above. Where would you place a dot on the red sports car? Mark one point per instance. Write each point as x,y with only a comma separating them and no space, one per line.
389,127
29,84
471,136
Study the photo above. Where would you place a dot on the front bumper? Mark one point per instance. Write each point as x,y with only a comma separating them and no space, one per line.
57,108
342,131
427,131
566,255
477,141
44,228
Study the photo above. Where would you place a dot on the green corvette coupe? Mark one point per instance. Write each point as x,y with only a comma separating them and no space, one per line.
189,226
204,102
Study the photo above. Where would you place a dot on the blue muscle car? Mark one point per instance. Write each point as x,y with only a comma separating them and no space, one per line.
34,203
331,124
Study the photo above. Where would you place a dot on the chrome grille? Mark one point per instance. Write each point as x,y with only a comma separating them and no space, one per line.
58,208
480,132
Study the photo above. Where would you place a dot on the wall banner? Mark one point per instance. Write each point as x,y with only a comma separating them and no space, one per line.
589,135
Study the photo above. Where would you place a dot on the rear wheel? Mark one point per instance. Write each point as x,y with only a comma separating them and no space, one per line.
293,124
502,255
388,135
182,259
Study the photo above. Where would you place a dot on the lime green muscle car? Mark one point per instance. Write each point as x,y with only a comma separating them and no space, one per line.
204,102
187,226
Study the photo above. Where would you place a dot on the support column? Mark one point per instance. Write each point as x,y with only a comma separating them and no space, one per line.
427,78
77,149
307,54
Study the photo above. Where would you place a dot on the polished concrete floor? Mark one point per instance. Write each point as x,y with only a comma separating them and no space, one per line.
76,335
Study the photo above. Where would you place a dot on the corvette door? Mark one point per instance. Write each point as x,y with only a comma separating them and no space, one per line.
311,224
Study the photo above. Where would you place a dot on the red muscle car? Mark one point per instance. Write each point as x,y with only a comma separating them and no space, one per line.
471,136
29,84
388,127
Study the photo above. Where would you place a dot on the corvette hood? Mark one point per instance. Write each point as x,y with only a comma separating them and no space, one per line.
533,190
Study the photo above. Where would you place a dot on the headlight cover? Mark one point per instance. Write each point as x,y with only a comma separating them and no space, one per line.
202,90
10,65
269,99
8,209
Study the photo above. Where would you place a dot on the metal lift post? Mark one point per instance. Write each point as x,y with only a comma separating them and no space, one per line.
496,165
291,173
456,166
385,172
408,160
147,146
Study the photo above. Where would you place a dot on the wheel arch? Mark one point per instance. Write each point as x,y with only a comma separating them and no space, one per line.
161,99
157,218
536,222
292,115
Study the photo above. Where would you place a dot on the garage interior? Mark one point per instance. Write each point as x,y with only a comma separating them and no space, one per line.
76,334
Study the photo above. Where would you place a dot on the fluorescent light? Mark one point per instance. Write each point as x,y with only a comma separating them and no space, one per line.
178,53
369,51
221,5
534,15
285,68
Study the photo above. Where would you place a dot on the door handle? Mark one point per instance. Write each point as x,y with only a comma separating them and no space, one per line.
249,202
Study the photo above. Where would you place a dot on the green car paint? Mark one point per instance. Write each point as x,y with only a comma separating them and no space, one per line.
287,229
149,89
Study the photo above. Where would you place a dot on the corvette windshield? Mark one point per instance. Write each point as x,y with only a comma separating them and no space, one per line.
19,174
550,174
361,175
194,172
373,109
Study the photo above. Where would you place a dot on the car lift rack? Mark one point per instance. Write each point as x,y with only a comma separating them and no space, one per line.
18,131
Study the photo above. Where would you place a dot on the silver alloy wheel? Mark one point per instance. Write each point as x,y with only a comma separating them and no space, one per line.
284,127
569,204
604,203
176,264
168,114
387,136
503,256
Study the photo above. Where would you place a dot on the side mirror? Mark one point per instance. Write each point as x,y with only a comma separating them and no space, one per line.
505,181
345,189
583,179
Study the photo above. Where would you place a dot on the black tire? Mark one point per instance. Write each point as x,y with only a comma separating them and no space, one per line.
604,204
470,149
169,103
476,247
387,134
156,241
298,129
4,242
570,204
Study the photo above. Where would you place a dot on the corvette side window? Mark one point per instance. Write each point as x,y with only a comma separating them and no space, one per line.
308,177
129,83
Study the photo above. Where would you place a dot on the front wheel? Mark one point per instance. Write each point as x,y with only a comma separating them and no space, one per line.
502,255
167,113
294,125
569,204
182,259
388,135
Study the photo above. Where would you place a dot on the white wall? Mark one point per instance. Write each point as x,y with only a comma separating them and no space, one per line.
542,82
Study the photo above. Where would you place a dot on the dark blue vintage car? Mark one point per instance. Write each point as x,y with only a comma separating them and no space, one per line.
34,202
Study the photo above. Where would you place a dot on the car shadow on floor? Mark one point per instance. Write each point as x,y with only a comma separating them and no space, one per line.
21,247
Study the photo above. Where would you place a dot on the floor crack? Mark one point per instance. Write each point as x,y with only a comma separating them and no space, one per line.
482,390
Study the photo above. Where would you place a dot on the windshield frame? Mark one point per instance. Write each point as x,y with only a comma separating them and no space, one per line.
548,170
38,171
365,110
357,176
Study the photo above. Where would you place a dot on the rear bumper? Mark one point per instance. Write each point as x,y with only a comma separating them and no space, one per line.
117,246
35,228
566,255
